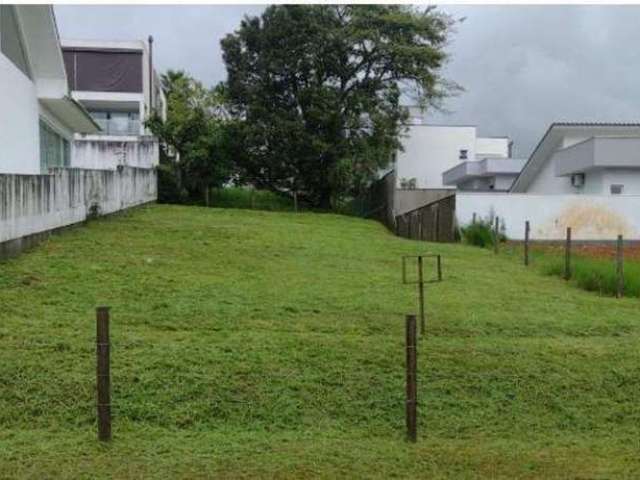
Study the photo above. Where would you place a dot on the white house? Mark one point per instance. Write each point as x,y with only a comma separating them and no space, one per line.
38,117
584,158
116,83
580,175
488,174
431,150
43,185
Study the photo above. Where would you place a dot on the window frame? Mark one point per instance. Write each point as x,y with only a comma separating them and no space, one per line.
63,146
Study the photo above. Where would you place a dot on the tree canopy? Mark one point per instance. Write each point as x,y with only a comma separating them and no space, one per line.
318,88
196,139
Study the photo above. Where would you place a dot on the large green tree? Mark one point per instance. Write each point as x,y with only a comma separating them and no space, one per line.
195,137
319,90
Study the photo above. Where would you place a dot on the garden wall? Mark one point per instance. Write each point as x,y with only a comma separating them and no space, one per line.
33,205
591,217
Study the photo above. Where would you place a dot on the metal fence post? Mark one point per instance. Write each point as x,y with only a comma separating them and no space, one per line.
103,381
527,229
496,235
567,255
421,295
412,379
620,268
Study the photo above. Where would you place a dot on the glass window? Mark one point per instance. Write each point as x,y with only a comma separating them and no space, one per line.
10,39
55,151
616,189
117,123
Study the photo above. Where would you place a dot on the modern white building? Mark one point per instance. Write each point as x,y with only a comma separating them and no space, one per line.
486,175
584,158
580,175
38,116
44,184
116,83
431,150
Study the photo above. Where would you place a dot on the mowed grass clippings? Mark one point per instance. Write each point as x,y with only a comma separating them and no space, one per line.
249,344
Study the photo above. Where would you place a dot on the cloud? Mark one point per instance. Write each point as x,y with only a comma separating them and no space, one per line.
523,67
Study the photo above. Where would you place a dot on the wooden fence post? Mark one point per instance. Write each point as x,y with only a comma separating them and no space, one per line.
526,243
439,260
103,381
421,295
496,235
295,201
567,255
412,379
619,268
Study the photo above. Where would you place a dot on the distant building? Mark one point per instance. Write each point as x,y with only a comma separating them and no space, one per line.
60,161
584,158
116,83
38,116
432,150
485,175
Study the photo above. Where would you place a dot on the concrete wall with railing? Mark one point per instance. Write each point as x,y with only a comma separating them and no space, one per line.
108,152
591,217
32,205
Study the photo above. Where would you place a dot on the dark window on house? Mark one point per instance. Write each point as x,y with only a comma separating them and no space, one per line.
11,39
104,70
55,150
463,154
616,189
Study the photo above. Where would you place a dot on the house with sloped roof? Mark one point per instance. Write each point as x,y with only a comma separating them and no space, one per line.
584,158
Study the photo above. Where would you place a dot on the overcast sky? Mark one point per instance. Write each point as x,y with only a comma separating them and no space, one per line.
522,67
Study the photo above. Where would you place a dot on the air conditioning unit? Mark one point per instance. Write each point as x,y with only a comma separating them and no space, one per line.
577,180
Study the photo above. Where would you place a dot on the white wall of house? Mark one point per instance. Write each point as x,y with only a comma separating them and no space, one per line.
38,203
492,147
591,217
430,150
546,181
19,131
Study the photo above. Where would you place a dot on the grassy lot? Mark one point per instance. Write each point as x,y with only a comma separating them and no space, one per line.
253,344
593,267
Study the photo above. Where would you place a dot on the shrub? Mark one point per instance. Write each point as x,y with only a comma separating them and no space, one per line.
239,197
480,234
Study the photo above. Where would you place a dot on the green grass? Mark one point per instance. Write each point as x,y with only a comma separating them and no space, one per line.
251,344
593,274
238,197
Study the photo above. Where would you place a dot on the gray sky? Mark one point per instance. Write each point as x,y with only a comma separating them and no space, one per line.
522,67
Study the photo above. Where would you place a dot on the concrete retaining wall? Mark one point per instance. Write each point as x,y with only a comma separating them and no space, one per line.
108,152
31,205
591,217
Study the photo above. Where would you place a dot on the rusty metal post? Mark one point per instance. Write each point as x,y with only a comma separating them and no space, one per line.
527,229
496,235
421,295
567,255
412,379
620,268
103,381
